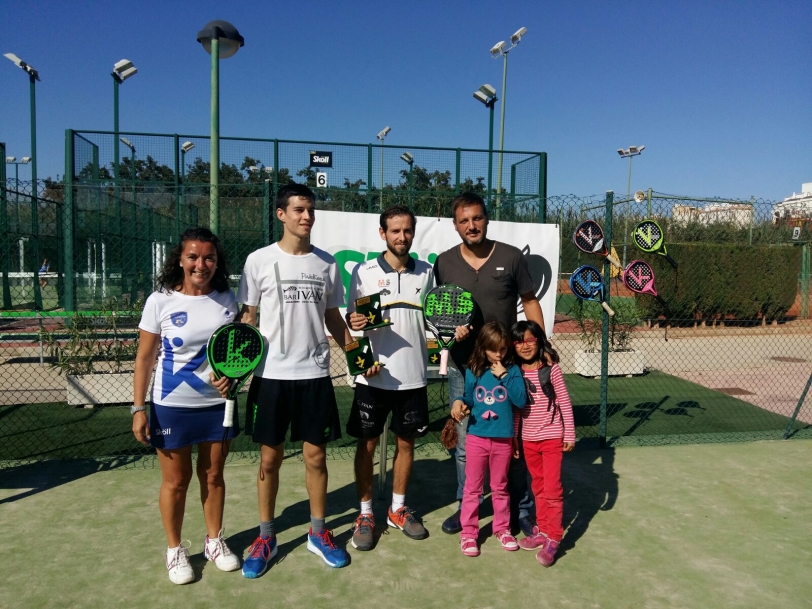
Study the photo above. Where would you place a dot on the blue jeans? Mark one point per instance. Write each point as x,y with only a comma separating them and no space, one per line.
519,480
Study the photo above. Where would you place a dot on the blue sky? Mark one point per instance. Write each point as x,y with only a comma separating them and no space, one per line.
720,93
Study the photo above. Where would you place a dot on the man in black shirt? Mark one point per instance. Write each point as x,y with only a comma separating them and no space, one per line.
496,274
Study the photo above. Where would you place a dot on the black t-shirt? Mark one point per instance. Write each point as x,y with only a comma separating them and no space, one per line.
495,287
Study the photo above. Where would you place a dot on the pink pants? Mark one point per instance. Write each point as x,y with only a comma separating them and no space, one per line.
486,454
544,463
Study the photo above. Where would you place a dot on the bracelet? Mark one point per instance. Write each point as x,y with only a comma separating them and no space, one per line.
134,409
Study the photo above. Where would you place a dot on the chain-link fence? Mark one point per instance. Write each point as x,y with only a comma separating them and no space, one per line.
728,359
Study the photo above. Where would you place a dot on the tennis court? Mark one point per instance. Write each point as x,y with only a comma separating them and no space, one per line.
717,525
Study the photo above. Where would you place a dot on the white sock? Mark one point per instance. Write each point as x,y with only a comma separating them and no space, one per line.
366,507
398,501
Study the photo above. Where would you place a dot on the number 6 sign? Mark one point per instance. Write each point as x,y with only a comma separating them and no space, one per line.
321,180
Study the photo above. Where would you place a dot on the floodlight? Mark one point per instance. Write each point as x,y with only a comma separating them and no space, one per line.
517,37
407,157
384,132
127,143
122,70
481,97
25,160
641,148
229,39
633,149
186,146
621,152
488,90
22,65
11,159
496,50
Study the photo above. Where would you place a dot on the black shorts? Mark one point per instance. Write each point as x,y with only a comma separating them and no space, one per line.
371,407
307,406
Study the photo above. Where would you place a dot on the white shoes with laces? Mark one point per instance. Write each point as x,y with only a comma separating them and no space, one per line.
177,563
216,550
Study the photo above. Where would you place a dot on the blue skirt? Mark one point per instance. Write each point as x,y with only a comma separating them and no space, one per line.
173,427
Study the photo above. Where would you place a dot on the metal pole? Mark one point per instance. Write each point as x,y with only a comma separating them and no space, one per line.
543,188
183,185
626,223
5,235
605,325
116,156
380,204
68,296
411,182
34,193
178,203
490,156
797,408
501,141
214,169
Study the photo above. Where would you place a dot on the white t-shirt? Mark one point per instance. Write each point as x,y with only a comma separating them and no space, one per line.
402,346
185,324
292,293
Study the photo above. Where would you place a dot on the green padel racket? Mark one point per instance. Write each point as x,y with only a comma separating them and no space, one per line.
648,237
446,307
234,351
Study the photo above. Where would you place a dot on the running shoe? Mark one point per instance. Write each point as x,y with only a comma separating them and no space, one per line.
363,537
177,563
546,556
404,520
469,546
508,541
216,549
534,541
323,545
259,555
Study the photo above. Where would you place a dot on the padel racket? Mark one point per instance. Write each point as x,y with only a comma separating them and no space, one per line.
446,307
234,351
588,237
587,284
648,236
639,278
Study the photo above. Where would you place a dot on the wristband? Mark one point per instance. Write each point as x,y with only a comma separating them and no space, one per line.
134,409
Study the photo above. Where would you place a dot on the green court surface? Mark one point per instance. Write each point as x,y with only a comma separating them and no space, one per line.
722,525
654,408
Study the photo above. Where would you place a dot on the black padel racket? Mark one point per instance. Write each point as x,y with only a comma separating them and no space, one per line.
234,351
648,236
587,284
446,307
588,237
639,278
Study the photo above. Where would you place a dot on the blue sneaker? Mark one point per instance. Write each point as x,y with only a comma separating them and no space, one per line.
259,555
322,544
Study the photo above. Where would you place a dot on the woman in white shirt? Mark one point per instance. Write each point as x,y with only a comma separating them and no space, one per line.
186,403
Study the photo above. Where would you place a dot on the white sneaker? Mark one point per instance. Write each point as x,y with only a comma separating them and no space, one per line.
177,563
216,549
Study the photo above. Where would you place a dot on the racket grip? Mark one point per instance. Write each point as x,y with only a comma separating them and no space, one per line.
609,310
671,261
228,417
444,362
614,261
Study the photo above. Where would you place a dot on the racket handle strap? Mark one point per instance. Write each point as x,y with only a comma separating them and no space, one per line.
228,417
609,310
614,261
444,362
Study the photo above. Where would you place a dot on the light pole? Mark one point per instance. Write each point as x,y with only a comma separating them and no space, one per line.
122,70
409,160
630,152
220,39
382,136
184,148
487,95
498,50
12,160
130,145
33,77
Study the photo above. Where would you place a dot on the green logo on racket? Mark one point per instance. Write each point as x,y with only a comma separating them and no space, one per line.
443,305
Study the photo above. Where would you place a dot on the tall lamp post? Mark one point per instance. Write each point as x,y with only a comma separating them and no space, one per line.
409,160
498,50
122,70
487,95
382,136
130,145
12,160
220,39
184,148
33,77
630,153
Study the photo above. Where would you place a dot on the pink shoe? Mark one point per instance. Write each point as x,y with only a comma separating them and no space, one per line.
534,541
546,556
508,541
469,546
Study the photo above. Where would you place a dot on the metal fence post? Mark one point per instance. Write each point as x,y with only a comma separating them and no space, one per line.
266,212
69,282
4,232
457,184
605,325
177,189
543,187
369,178
805,281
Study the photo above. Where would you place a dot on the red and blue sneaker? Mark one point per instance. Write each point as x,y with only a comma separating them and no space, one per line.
259,555
323,545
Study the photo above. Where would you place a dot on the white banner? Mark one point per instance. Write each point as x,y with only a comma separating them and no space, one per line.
353,238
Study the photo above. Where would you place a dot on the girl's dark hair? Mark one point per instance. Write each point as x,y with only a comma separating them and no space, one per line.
492,337
520,327
171,276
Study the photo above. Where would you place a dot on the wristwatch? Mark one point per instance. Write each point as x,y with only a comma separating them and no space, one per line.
134,409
